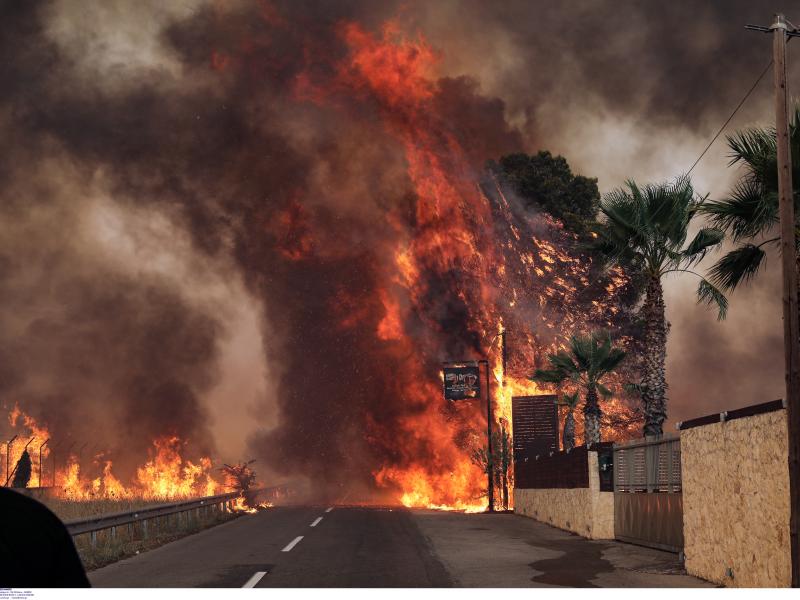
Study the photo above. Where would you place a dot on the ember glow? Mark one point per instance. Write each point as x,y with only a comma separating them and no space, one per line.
329,176
164,474
470,264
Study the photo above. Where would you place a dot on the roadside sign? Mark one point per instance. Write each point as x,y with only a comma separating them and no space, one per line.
462,383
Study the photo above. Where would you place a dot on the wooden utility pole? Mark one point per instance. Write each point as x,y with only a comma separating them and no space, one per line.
791,324
781,31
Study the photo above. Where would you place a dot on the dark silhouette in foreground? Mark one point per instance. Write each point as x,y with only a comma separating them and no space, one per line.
36,551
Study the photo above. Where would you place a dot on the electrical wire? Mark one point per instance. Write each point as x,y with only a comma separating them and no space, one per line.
735,110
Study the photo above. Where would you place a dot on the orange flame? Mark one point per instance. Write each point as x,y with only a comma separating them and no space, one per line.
164,475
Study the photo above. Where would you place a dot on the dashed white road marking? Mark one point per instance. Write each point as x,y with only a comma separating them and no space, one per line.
316,521
292,544
254,579
327,510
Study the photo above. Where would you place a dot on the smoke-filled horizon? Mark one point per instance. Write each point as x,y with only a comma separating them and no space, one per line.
217,222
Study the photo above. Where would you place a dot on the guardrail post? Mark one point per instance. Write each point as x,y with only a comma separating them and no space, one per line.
93,537
144,528
113,533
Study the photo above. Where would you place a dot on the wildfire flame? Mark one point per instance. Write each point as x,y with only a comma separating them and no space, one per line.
501,266
466,261
165,474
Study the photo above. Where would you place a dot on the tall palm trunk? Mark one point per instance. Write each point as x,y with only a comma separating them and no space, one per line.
655,356
568,435
591,417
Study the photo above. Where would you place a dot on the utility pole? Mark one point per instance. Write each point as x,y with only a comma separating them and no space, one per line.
489,449
489,418
40,461
781,30
791,326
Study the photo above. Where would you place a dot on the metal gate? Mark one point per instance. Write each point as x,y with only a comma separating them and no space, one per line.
648,504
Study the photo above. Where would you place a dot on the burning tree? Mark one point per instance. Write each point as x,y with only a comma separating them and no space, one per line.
443,257
240,478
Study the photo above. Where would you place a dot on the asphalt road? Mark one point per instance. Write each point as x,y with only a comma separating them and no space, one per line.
313,546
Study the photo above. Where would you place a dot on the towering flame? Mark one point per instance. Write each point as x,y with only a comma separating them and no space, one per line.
467,263
344,178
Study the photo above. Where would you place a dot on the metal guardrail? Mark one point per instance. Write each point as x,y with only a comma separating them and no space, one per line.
113,520
108,521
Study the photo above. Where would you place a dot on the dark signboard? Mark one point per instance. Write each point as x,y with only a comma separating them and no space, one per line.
461,383
535,425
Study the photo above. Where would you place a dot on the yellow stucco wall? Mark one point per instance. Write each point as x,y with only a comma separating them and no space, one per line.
585,511
736,501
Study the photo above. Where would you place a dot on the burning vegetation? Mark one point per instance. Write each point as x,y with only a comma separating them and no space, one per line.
463,260
345,180
31,459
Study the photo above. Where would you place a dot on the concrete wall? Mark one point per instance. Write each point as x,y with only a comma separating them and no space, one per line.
585,511
736,501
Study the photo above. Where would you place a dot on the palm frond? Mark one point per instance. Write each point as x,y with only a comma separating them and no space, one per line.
612,360
634,389
750,210
711,296
705,239
737,266
648,225
562,361
570,400
554,376
581,350
604,391
678,208
752,146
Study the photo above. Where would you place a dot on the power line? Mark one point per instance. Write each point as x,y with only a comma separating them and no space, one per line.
735,110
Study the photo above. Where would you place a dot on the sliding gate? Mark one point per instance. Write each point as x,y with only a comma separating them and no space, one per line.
648,504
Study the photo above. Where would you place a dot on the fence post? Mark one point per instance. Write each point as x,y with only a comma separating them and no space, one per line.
93,537
630,459
113,533
144,529
670,454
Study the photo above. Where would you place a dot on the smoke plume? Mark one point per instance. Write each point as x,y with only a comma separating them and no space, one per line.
168,168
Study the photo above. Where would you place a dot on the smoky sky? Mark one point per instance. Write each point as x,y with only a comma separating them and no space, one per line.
161,164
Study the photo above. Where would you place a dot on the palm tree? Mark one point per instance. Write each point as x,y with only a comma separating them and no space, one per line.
590,358
751,210
644,231
568,433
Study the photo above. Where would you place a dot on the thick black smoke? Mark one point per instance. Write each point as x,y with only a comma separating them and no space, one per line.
192,134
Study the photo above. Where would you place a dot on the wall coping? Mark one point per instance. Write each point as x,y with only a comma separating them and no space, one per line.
730,415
